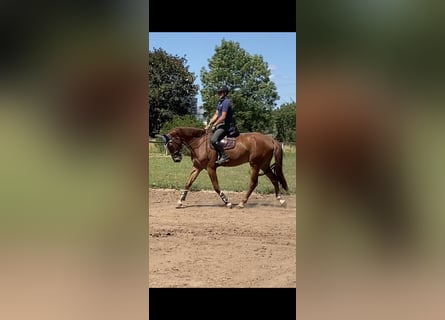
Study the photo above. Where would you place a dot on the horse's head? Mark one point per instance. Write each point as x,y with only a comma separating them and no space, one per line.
174,146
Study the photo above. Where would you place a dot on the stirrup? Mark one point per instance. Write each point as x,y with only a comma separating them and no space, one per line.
222,159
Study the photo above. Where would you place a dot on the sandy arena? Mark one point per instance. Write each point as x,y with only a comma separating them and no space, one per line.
206,244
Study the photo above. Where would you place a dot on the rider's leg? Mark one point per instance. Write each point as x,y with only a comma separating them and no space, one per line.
217,136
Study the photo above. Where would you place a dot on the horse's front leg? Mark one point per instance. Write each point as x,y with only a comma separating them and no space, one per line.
193,175
214,179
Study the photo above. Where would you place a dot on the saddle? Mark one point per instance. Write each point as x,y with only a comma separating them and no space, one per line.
227,143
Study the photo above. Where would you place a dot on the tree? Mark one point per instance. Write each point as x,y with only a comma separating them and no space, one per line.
285,120
171,88
252,92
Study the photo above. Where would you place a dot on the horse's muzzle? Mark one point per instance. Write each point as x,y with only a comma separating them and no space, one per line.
177,158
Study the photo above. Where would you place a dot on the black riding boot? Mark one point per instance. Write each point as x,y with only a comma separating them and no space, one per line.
222,157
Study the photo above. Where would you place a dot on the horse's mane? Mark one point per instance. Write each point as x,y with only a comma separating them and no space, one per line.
189,131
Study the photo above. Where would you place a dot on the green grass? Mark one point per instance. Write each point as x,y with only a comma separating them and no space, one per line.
164,173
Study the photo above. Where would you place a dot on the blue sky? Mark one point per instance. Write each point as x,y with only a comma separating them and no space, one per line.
278,49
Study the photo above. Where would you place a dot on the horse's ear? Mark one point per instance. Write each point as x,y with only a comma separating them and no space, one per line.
164,137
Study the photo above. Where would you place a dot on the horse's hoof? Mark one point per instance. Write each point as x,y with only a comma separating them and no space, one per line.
283,203
229,205
240,205
180,206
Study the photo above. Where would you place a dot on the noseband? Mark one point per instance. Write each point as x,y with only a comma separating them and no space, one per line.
171,142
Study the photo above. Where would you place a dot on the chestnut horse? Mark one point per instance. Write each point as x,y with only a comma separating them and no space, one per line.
255,148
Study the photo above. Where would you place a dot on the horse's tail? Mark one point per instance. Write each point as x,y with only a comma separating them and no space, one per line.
278,166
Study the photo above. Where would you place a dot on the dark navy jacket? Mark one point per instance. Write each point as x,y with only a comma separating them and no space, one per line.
225,104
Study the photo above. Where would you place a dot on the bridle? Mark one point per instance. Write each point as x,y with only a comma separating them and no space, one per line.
177,146
171,144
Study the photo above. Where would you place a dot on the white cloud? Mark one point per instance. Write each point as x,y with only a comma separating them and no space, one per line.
272,68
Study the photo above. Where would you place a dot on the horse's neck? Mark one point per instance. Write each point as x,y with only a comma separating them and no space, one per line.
188,135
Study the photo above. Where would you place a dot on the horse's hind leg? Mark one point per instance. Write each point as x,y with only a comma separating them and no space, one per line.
193,175
253,183
274,179
214,179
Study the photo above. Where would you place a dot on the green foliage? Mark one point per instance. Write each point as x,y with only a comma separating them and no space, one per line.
181,121
285,120
252,92
171,88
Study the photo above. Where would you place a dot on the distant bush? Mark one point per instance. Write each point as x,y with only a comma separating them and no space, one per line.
181,121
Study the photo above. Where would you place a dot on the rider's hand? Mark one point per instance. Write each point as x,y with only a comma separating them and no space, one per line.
207,127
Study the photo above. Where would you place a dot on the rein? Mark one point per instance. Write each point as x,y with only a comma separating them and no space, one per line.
200,141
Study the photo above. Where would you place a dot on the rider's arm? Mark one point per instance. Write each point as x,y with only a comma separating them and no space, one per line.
221,119
212,120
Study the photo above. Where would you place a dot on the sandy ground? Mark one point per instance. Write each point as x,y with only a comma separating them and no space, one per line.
206,244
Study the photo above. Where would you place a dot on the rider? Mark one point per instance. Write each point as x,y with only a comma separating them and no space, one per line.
220,123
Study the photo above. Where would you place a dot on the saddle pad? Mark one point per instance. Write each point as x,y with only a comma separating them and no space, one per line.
227,143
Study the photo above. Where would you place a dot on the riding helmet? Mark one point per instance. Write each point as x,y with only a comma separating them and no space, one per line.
223,89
